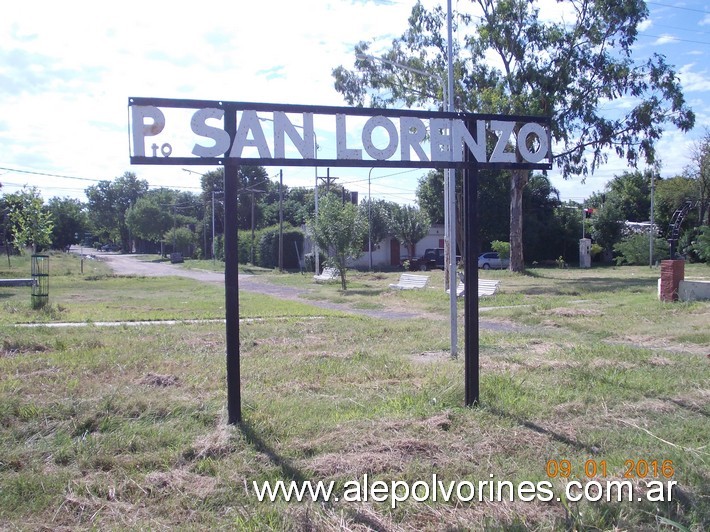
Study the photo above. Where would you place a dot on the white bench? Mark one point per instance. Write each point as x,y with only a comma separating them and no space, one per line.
410,281
460,289
328,274
486,287
18,282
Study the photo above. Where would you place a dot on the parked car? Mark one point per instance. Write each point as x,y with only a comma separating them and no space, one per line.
492,260
110,247
432,259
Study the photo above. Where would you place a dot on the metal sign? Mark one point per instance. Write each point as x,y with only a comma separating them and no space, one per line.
230,134
183,132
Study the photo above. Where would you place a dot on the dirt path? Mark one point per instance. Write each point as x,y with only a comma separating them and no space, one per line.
133,265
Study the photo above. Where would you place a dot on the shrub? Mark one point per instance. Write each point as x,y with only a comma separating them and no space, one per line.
268,247
701,245
502,248
634,249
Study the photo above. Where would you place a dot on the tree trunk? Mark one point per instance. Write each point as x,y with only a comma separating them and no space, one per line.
518,180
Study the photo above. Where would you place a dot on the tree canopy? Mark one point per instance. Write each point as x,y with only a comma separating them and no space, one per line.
513,60
409,225
340,228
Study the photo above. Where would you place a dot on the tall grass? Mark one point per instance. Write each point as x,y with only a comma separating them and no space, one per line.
124,427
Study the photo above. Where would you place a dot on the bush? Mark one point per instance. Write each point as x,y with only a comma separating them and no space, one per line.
634,249
502,248
267,252
701,245
309,260
244,246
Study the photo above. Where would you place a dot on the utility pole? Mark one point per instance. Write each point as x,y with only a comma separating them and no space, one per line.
651,232
328,179
252,191
281,220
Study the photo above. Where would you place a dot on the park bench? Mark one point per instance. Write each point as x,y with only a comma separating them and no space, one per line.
328,274
486,287
18,282
409,281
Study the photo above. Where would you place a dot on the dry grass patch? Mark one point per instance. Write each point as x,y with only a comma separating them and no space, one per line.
661,343
160,381
573,312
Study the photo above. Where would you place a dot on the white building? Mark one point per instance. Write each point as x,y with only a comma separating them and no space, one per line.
390,252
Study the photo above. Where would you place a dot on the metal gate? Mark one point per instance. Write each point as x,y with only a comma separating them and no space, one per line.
40,276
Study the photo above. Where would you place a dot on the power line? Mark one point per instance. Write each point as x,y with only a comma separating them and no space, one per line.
92,180
672,38
15,170
678,7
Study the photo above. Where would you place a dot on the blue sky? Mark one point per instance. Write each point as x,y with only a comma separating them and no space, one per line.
67,70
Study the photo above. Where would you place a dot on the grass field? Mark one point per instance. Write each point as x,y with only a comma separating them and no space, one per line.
124,427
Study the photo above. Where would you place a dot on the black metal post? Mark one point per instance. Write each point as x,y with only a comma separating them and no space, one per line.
231,280
471,349
231,292
281,220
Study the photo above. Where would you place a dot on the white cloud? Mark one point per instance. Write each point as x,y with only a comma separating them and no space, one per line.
666,39
67,70
645,25
694,81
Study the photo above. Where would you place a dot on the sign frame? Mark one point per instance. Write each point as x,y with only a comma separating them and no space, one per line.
468,164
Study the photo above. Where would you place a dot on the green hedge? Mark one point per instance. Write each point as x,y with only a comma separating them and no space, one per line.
267,252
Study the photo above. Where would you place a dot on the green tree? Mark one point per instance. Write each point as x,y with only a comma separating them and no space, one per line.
632,193
542,229
409,225
635,249
608,224
567,233
502,248
69,219
430,195
340,228
150,218
108,205
699,170
253,182
514,61
181,240
376,214
701,244
31,223
670,195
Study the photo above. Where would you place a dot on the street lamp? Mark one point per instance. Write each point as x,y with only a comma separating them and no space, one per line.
369,216
449,183
213,201
315,188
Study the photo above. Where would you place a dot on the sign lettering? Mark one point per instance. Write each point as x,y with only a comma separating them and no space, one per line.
199,132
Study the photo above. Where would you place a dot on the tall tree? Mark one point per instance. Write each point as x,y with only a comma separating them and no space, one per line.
430,195
409,225
376,212
542,234
340,228
515,61
31,224
670,195
699,170
150,217
69,221
109,202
